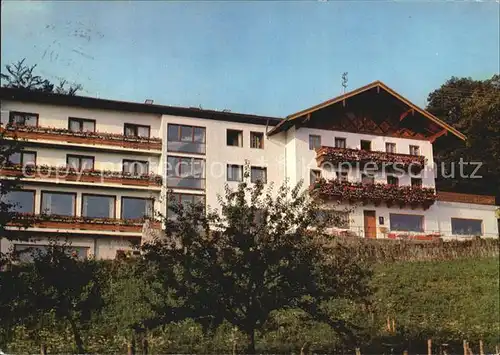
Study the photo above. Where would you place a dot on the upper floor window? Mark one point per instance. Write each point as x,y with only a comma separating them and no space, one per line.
463,226
366,145
416,182
136,208
80,162
185,172
184,200
23,158
342,175
258,174
135,167
58,203
367,179
20,201
257,140
407,222
23,119
314,142
81,124
234,172
187,139
234,138
98,206
340,143
390,147
314,175
414,150
392,180
135,130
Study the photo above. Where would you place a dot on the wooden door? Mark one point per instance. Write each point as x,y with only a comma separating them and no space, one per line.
370,224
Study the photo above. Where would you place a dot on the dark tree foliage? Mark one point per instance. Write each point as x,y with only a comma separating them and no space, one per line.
259,254
21,76
55,282
473,107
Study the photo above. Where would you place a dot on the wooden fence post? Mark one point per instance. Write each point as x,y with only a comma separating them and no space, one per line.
465,347
405,352
43,349
481,347
358,352
145,344
131,348
429,346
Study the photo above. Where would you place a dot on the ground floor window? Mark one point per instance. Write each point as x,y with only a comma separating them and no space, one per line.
27,252
407,222
463,226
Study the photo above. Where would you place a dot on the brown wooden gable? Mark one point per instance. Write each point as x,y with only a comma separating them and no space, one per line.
372,109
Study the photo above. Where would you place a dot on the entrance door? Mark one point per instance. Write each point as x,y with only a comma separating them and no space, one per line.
370,224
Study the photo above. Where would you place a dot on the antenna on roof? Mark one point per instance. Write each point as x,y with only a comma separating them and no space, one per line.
344,82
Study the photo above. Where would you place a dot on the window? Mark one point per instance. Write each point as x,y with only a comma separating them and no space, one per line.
185,172
366,145
340,143
314,175
367,179
135,167
342,176
234,138
392,180
234,172
27,252
98,206
463,226
23,119
80,162
20,201
58,203
81,124
314,142
414,150
185,200
407,222
390,147
136,208
257,140
188,139
23,158
258,174
416,182
135,130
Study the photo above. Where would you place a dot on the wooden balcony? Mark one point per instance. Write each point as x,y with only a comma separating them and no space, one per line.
374,193
63,173
90,138
80,223
337,156
465,198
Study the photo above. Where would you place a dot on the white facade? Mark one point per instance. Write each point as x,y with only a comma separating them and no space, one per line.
285,156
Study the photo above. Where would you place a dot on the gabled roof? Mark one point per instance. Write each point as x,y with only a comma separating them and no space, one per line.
284,125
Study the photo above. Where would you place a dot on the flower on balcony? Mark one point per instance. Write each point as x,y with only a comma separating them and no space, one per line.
337,156
376,193
84,134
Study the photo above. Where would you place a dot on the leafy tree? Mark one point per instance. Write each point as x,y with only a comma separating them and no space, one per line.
259,254
472,107
21,76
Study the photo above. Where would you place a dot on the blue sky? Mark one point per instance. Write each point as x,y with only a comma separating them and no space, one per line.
270,58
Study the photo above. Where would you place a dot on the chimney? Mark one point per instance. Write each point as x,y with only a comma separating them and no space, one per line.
148,102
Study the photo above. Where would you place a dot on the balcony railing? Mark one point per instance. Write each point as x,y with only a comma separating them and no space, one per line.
186,182
336,156
186,147
79,223
374,193
68,174
93,138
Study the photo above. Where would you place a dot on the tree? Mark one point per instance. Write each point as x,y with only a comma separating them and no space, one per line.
21,76
259,254
472,107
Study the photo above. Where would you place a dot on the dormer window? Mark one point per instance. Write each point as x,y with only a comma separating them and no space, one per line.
81,124
135,130
414,150
390,147
366,145
340,143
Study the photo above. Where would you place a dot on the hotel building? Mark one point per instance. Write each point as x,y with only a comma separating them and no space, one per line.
91,169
